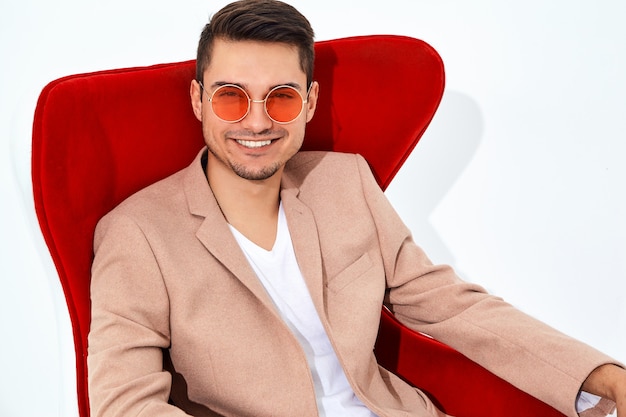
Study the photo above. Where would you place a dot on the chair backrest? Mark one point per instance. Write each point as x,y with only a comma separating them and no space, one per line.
99,137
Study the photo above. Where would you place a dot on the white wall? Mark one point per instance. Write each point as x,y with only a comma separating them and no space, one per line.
518,182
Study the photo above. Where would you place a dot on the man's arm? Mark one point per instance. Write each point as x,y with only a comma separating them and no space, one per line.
432,299
129,327
609,381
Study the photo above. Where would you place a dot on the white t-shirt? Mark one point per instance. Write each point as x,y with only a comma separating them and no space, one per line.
280,274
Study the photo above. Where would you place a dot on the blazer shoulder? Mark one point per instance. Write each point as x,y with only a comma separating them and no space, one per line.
308,157
331,163
332,170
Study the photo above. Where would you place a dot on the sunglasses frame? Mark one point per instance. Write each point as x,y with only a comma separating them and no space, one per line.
264,101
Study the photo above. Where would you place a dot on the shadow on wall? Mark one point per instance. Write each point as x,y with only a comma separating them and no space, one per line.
434,167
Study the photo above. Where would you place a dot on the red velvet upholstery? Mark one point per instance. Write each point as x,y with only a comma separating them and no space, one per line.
99,137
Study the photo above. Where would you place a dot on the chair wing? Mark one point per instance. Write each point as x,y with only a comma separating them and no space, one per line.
377,96
99,137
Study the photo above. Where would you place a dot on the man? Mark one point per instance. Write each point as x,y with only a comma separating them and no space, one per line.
255,276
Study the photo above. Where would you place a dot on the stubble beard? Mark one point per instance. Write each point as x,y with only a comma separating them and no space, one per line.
245,172
258,175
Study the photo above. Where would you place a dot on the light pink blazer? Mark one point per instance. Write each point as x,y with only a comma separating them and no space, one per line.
168,276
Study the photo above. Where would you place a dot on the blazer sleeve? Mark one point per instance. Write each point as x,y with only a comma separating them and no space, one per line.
432,299
129,326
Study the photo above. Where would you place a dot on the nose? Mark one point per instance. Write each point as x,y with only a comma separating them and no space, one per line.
257,119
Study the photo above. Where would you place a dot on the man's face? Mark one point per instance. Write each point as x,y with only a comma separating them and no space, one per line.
255,147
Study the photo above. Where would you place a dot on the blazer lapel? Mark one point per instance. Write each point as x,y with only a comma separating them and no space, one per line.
305,240
215,234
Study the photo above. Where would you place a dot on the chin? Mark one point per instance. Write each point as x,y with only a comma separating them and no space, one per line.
256,174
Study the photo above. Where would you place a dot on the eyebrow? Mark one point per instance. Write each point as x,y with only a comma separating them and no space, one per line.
217,84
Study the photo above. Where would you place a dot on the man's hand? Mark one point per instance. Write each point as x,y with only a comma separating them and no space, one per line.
609,381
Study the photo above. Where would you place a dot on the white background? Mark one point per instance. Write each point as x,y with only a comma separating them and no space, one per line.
519,181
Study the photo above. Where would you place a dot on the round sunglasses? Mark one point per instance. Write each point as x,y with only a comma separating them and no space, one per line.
231,103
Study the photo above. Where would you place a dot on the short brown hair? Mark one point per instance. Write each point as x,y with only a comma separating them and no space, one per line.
258,20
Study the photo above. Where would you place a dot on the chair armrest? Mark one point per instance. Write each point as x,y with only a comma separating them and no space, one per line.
456,384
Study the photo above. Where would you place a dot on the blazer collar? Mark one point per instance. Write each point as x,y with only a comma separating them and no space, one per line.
215,234
306,244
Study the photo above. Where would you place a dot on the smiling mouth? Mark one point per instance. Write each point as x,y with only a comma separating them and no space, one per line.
254,144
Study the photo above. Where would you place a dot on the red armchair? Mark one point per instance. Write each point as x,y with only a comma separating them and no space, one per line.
99,137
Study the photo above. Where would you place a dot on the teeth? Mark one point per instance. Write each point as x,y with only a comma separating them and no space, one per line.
254,143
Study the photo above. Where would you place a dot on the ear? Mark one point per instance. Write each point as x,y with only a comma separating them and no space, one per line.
195,93
311,103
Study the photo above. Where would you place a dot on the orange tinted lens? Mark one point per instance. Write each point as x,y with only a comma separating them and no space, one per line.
230,103
284,104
